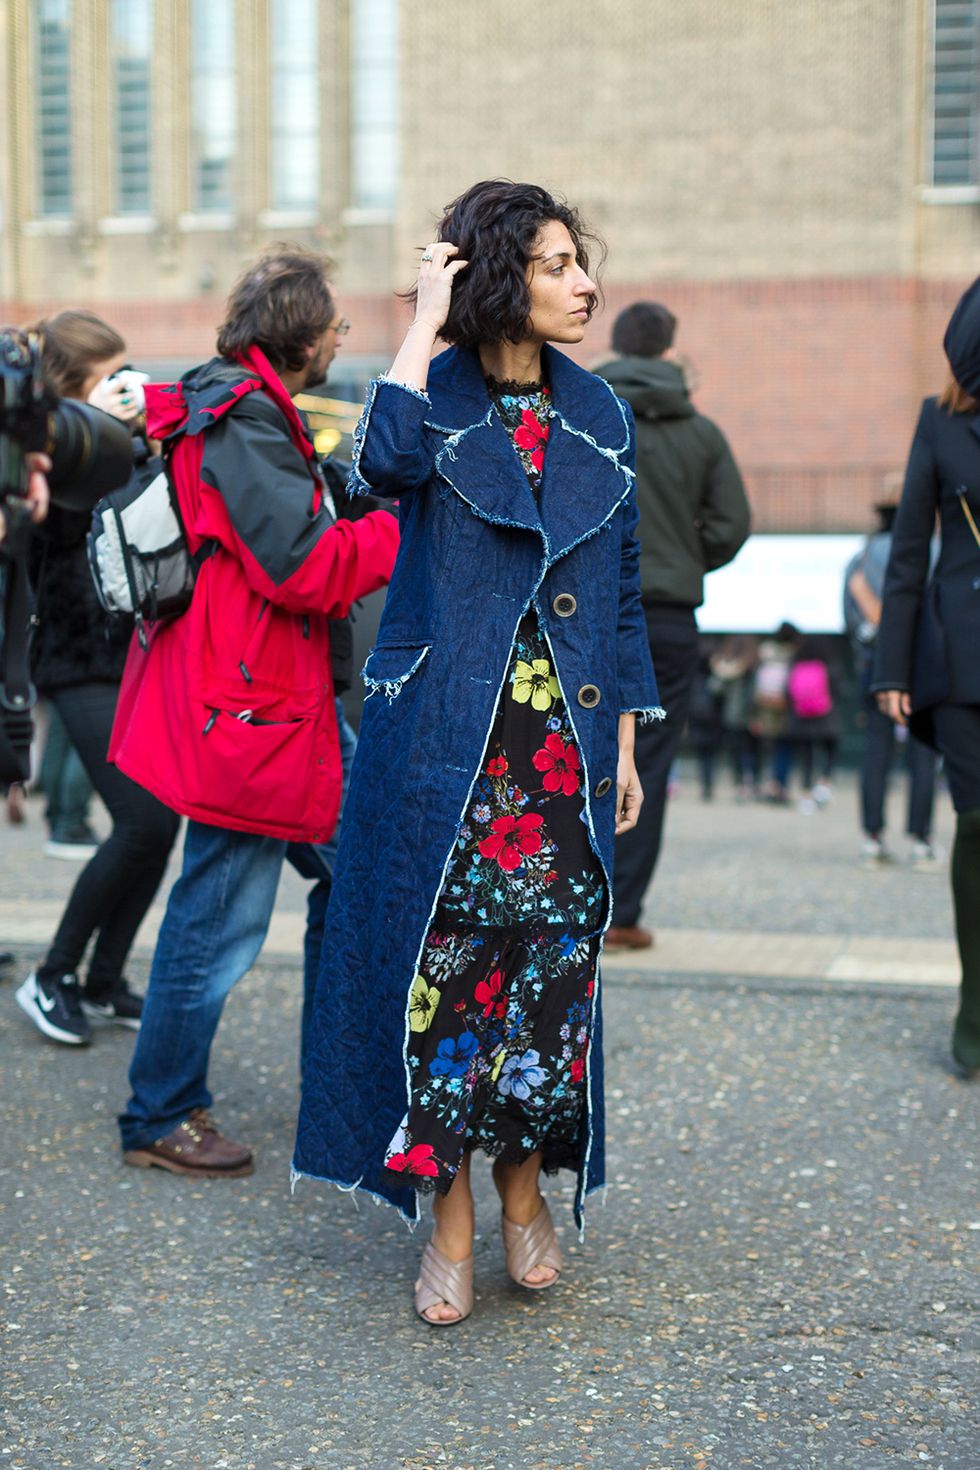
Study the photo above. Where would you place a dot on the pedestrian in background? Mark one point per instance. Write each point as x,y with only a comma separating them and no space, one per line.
864,585
68,790
78,656
813,726
705,732
229,714
770,709
457,1007
926,670
694,517
733,666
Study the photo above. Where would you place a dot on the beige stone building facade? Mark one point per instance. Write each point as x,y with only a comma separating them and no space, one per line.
799,179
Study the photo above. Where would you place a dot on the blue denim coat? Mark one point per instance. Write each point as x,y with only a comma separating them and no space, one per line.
477,551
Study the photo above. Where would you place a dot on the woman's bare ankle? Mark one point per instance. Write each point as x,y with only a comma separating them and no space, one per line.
453,1221
518,1186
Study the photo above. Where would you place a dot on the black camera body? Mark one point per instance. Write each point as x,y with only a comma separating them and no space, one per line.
89,450
90,453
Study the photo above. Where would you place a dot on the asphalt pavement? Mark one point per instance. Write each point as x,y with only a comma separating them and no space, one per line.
783,1272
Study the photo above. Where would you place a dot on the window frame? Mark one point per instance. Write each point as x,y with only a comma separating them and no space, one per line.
219,214
368,203
964,191
54,217
120,210
280,210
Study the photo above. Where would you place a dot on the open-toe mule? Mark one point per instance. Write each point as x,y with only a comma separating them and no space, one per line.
532,1245
444,1282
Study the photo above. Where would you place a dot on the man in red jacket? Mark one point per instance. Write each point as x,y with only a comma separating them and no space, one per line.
228,714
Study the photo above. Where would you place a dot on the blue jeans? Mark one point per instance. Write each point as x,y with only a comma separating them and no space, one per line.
217,918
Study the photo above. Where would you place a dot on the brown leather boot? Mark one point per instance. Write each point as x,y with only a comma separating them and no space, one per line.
194,1147
629,936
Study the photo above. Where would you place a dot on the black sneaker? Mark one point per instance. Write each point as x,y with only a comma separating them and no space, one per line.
55,1007
120,1005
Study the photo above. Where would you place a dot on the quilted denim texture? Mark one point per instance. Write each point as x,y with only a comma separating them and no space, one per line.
476,552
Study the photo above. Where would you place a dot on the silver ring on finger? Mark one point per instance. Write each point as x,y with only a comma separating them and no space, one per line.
427,255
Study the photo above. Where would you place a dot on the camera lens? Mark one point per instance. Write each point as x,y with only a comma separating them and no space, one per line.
91,453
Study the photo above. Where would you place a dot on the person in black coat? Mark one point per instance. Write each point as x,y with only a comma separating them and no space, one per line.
926,671
77,663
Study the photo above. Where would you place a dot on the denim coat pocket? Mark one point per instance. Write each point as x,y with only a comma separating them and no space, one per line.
389,667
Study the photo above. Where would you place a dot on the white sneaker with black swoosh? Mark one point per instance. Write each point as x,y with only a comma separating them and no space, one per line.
55,1007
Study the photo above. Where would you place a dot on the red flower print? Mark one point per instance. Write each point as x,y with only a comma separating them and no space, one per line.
498,766
589,989
533,435
418,1160
511,838
551,876
487,994
560,764
460,1005
578,1072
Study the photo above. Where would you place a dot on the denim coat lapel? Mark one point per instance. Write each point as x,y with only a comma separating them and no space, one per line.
585,477
586,473
478,459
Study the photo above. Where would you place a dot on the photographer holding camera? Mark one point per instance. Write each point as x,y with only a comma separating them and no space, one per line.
77,661
50,451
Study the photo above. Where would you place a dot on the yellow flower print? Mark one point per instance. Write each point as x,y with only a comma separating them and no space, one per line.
535,682
422,1003
501,1058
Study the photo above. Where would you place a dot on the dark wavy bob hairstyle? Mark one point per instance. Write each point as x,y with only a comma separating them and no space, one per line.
495,225
283,303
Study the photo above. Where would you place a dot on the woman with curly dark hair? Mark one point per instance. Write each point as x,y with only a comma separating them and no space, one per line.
458,1001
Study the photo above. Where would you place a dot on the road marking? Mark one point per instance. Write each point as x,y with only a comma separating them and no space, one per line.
845,959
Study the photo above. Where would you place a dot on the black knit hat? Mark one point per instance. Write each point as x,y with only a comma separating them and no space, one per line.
962,341
645,329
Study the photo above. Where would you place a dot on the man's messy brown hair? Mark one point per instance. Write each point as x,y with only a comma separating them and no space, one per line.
283,303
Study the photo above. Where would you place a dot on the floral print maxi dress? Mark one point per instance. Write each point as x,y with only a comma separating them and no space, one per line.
500,1011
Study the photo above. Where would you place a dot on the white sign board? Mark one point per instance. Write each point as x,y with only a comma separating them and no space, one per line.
776,579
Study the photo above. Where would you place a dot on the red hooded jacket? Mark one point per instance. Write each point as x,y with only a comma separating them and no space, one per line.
228,715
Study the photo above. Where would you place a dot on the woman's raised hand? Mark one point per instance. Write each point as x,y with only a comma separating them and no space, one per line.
437,271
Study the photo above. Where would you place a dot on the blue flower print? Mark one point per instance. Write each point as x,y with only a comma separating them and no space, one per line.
520,1075
453,1057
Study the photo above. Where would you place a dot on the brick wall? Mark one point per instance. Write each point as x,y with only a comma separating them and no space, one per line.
816,382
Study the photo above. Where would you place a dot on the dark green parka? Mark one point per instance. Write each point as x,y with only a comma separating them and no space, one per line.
694,514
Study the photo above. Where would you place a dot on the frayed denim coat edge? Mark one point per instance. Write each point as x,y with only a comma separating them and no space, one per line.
439,662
